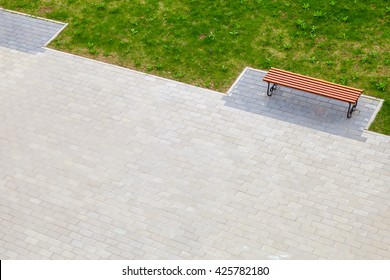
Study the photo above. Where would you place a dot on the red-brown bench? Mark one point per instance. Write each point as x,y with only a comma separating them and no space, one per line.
285,78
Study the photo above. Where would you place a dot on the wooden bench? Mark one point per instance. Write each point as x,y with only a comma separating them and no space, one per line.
285,78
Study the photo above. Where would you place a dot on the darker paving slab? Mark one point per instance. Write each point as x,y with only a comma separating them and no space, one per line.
25,33
301,108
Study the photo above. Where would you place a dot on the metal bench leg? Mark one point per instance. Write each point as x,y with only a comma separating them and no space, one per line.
351,108
270,89
268,92
354,106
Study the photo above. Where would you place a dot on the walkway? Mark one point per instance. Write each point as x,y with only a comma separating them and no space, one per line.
102,162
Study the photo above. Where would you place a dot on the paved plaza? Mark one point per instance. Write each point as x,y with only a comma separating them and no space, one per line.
102,162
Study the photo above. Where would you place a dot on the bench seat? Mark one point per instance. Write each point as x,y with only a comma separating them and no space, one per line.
312,85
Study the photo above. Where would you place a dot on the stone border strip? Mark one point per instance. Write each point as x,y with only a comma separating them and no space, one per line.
32,16
229,91
55,35
368,134
136,71
377,109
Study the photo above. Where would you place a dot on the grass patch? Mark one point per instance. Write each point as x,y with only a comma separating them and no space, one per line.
208,43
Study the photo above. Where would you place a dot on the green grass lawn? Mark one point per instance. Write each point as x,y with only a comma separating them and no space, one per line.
208,43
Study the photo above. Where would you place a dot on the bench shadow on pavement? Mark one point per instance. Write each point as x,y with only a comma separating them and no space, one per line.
298,107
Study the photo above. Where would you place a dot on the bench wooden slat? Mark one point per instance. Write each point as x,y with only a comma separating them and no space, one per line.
318,89
317,86
294,85
315,82
314,79
313,85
